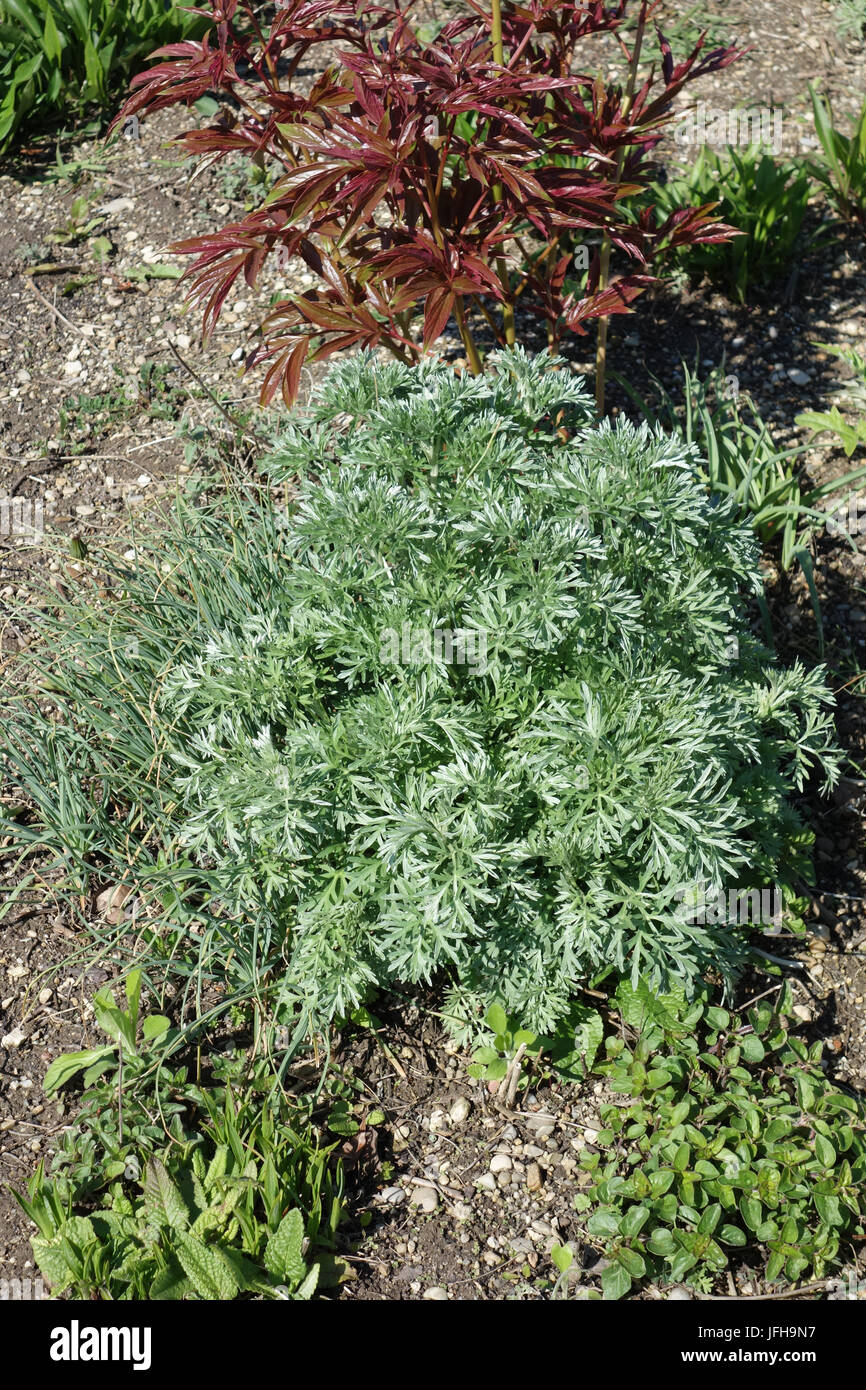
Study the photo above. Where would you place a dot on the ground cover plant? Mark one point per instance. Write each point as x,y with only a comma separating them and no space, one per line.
65,58
723,1139
427,174
480,700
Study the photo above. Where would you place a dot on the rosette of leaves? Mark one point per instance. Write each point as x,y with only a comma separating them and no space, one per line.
166,1244
318,808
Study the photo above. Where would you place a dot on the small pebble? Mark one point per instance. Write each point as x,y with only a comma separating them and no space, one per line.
394,1196
425,1198
436,1294
459,1111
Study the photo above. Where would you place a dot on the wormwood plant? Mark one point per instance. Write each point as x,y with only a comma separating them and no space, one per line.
428,172
467,704
724,1140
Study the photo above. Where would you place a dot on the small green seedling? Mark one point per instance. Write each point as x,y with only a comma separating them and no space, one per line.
491,1062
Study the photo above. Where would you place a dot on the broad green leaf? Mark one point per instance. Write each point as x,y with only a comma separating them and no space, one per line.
661,1242
633,1261
154,1026
283,1257
171,1283
752,1048
709,1220
733,1235
681,1158
615,1281
588,1037
51,1255
752,1212
112,1020
829,1210
211,1276
661,1181
51,38
633,1221
824,1151
718,1019
163,1199
497,1018
603,1222
306,1290
69,1064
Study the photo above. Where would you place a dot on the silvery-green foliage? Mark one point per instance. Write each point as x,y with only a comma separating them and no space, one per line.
519,823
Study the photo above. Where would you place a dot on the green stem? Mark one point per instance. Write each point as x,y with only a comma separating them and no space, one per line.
604,266
472,354
508,325
496,33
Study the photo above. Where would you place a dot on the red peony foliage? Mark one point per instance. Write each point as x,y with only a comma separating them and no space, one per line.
421,178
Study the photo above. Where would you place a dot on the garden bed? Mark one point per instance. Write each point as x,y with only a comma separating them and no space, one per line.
91,413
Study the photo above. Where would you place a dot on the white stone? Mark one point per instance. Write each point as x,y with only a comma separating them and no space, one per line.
459,1111
425,1198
